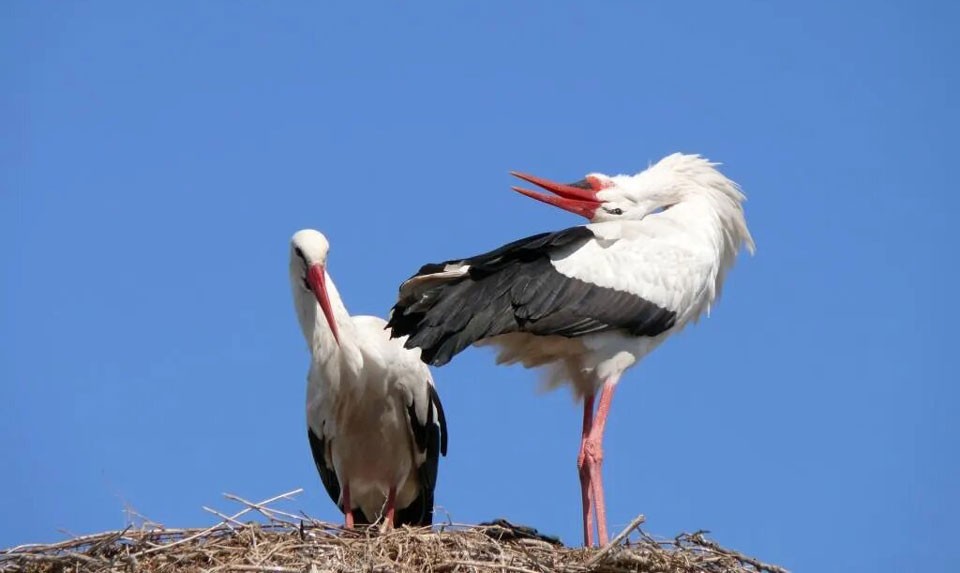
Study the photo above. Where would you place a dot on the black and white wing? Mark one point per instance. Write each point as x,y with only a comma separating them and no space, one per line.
448,306
430,439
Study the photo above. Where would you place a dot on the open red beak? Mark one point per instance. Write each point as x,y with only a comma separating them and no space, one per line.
574,198
318,282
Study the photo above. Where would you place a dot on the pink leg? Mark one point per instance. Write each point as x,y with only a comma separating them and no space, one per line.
583,468
347,511
391,508
594,448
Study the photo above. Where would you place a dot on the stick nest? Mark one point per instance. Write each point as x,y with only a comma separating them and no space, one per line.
282,542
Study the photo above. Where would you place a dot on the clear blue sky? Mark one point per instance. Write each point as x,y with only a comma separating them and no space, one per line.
155,159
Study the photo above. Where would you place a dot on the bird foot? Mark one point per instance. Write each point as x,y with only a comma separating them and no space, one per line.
390,510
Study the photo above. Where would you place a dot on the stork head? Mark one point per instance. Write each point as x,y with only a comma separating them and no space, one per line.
308,276
672,180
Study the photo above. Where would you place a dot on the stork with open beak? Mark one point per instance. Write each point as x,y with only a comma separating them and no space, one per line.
374,420
587,302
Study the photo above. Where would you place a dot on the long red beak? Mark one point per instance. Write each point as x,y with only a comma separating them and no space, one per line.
577,200
318,282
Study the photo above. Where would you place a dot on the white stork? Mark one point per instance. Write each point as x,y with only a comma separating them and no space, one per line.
587,302
374,420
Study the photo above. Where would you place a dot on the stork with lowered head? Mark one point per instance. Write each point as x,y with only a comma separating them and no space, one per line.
375,424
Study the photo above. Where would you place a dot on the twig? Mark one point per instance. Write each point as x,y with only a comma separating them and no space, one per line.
526,551
699,539
69,543
108,540
214,527
267,511
266,568
145,521
637,521
78,556
493,565
224,517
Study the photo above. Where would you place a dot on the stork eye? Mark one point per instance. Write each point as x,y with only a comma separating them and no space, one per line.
615,211
299,253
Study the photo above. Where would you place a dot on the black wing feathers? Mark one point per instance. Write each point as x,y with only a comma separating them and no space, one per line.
429,437
516,289
329,477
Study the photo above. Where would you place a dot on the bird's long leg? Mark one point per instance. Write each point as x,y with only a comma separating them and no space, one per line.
347,510
391,509
583,467
594,447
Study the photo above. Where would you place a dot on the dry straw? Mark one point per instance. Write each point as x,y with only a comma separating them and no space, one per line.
282,542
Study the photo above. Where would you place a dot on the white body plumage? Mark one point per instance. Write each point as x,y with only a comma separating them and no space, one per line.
367,396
